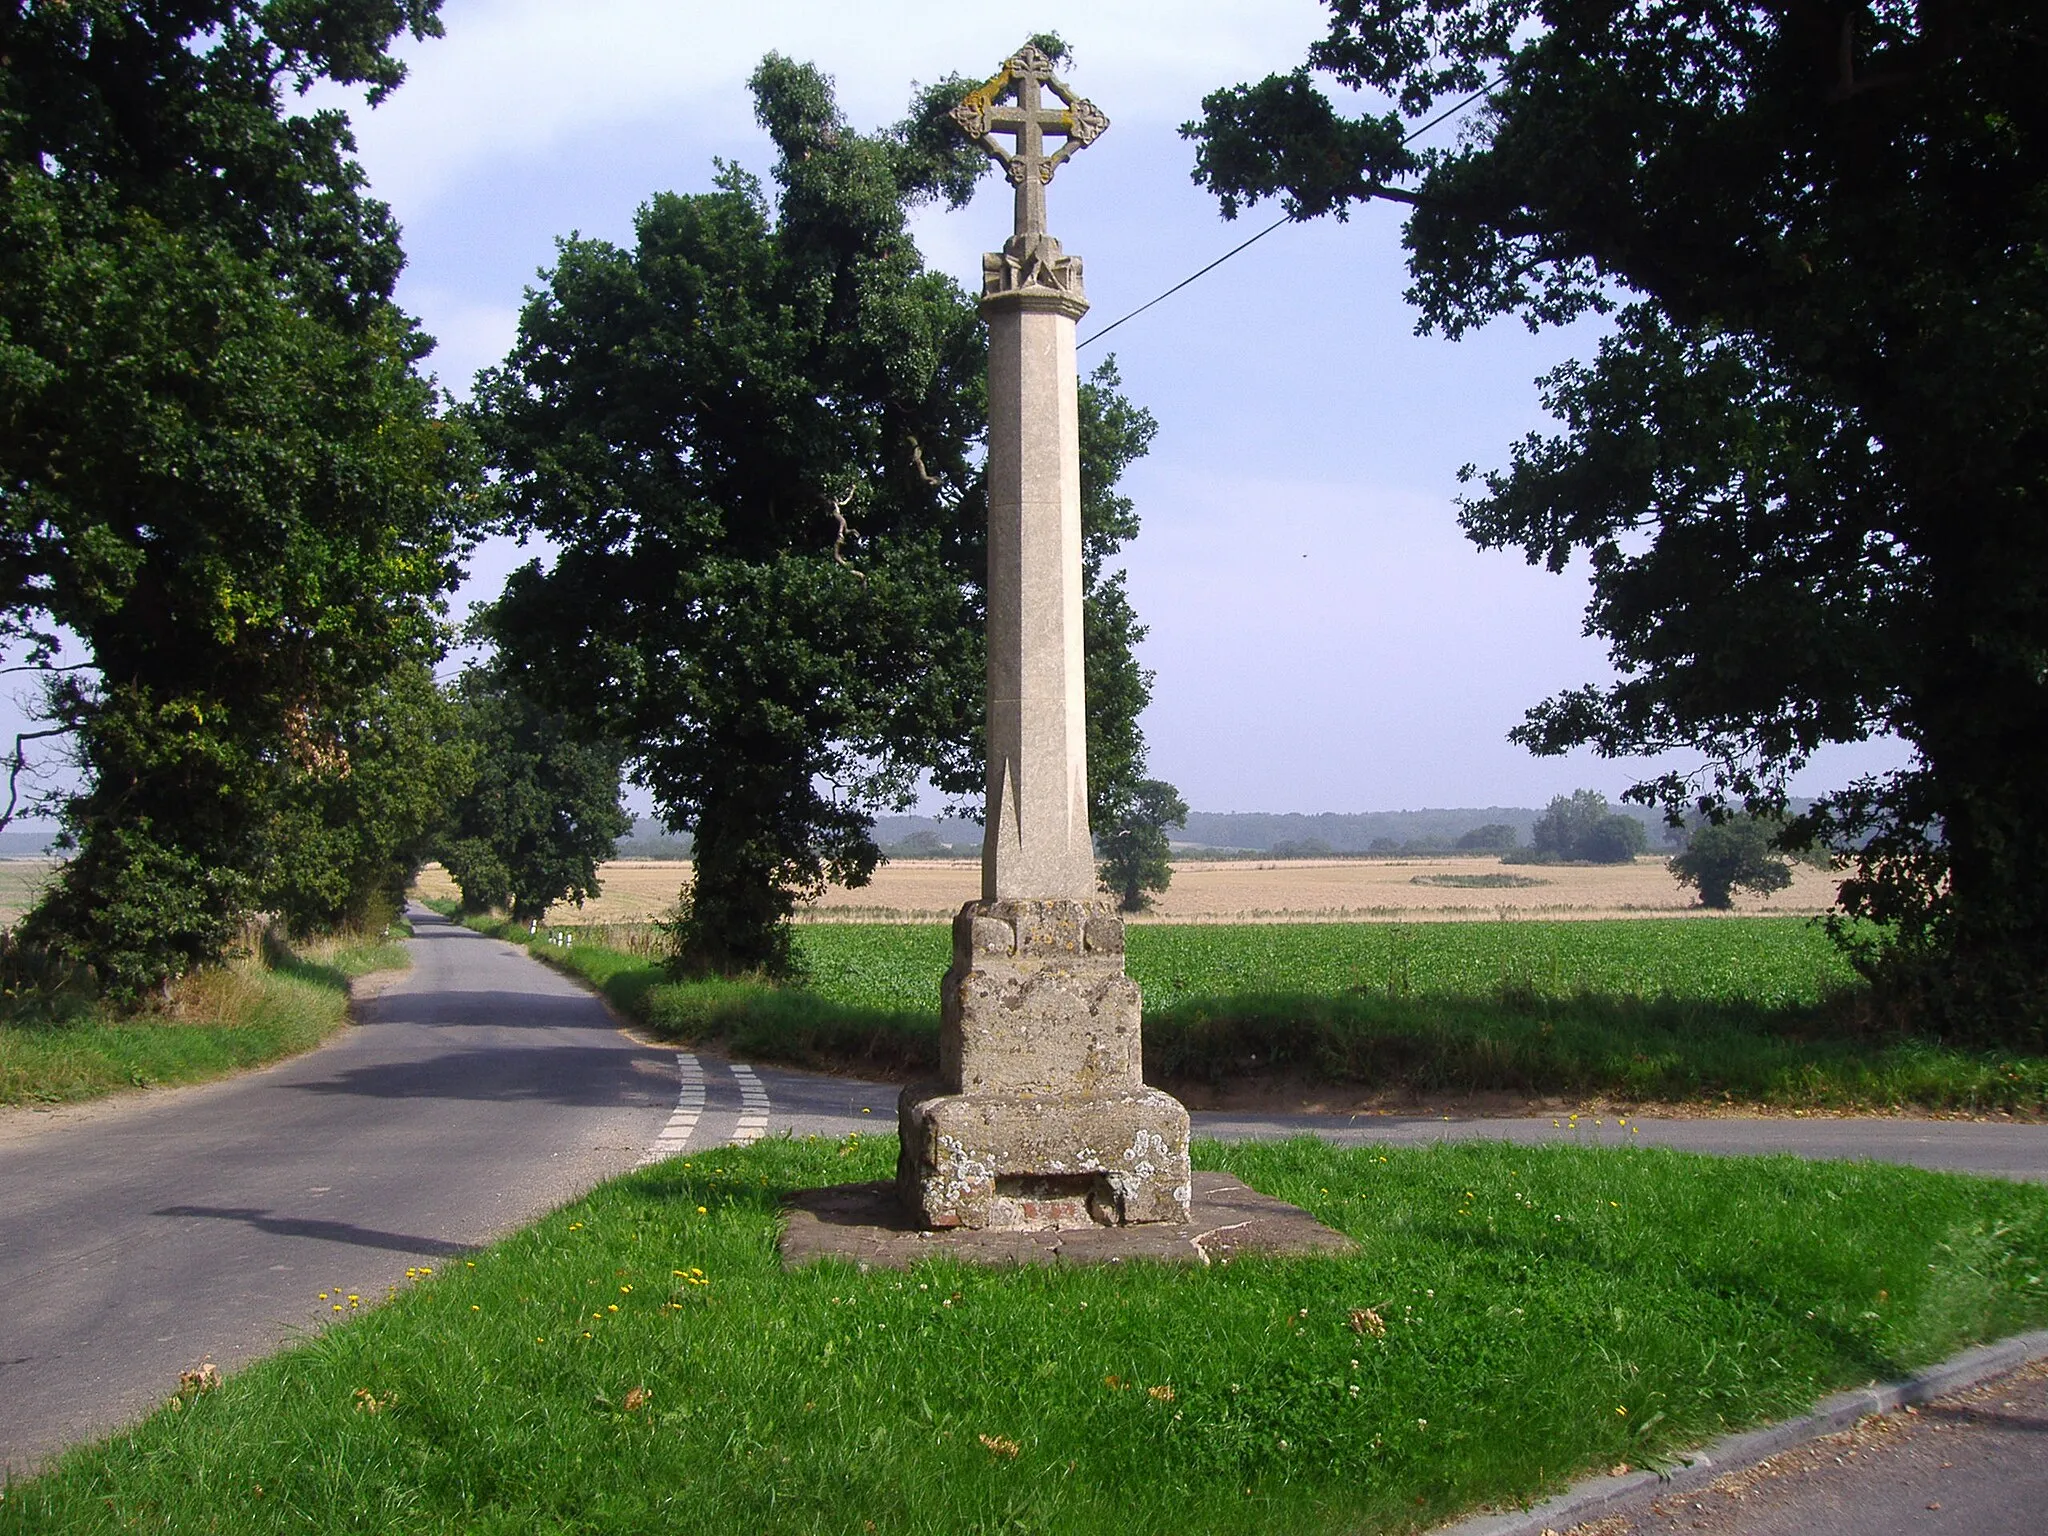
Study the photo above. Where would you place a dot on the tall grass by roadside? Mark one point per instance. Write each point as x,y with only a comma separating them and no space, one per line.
1758,1011
640,1362
281,999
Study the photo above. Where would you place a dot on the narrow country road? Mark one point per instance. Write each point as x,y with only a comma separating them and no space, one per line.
140,1236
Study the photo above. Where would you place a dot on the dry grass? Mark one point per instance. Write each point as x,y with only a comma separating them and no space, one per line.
1281,890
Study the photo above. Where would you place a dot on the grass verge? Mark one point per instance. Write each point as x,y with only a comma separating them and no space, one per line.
1754,1011
287,999
1513,1317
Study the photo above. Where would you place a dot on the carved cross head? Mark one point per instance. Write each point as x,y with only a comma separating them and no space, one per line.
1014,105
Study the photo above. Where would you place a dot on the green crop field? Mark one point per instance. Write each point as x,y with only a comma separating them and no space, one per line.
1767,961
1739,1011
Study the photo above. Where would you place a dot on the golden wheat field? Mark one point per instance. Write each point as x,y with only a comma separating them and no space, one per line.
1203,891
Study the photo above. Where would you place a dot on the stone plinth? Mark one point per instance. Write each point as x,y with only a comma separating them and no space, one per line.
1041,1118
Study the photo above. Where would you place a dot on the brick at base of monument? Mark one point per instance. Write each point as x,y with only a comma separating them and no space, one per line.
1016,1163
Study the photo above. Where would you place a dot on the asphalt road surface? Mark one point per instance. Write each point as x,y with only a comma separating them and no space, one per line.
811,1104
141,1236
1975,1464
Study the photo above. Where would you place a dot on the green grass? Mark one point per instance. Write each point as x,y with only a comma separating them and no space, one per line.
215,1022
1759,1011
639,1362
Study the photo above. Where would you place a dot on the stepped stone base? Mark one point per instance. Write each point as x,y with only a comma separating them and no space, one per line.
1041,1119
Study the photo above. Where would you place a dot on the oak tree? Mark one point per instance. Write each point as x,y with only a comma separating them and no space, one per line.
753,439
1136,858
1737,853
222,479
541,811
1808,464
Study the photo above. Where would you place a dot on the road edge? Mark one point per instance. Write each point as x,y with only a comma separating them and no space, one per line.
1599,1497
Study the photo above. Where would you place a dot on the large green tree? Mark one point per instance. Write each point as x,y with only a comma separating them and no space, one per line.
1721,857
221,476
541,811
1809,462
350,828
1114,435
752,438
1136,857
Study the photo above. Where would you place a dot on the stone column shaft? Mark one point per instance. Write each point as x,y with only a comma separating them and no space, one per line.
1037,841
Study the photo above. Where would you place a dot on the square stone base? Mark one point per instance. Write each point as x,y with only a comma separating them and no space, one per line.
866,1224
1040,1162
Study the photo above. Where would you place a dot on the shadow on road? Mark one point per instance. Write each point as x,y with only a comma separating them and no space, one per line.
602,1077
327,1231
569,1008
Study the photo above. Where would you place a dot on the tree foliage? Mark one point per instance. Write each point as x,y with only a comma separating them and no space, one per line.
753,438
1584,827
1135,854
1738,853
220,473
1808,464
1494,837
350,829
541,812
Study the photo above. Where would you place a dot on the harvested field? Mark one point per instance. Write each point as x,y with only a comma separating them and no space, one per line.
1280,891
21,882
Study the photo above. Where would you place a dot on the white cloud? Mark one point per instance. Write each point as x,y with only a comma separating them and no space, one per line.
467,335
516,78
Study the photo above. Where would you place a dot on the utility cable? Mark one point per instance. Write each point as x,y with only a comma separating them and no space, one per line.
1409,137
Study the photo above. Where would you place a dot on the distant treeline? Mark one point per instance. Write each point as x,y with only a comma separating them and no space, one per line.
1224,834
26,845
1367,832
649,839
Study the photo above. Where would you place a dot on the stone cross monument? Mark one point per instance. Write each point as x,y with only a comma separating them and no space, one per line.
1041,1117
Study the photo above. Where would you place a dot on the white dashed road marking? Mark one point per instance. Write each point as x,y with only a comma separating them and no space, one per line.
753,1107
682,1125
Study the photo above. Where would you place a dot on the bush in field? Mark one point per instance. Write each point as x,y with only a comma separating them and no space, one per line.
1584,826
1739,853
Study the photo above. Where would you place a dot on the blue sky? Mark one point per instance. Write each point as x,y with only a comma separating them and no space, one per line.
1323,636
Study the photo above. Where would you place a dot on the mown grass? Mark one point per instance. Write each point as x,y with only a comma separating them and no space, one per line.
1755,1011
282,1000
639,1361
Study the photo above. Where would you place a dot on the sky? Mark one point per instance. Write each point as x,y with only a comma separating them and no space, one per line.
1323,638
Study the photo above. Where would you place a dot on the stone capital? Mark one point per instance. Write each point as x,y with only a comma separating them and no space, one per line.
1032,272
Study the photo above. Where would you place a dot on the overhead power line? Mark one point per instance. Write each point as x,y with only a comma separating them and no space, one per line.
1408,138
